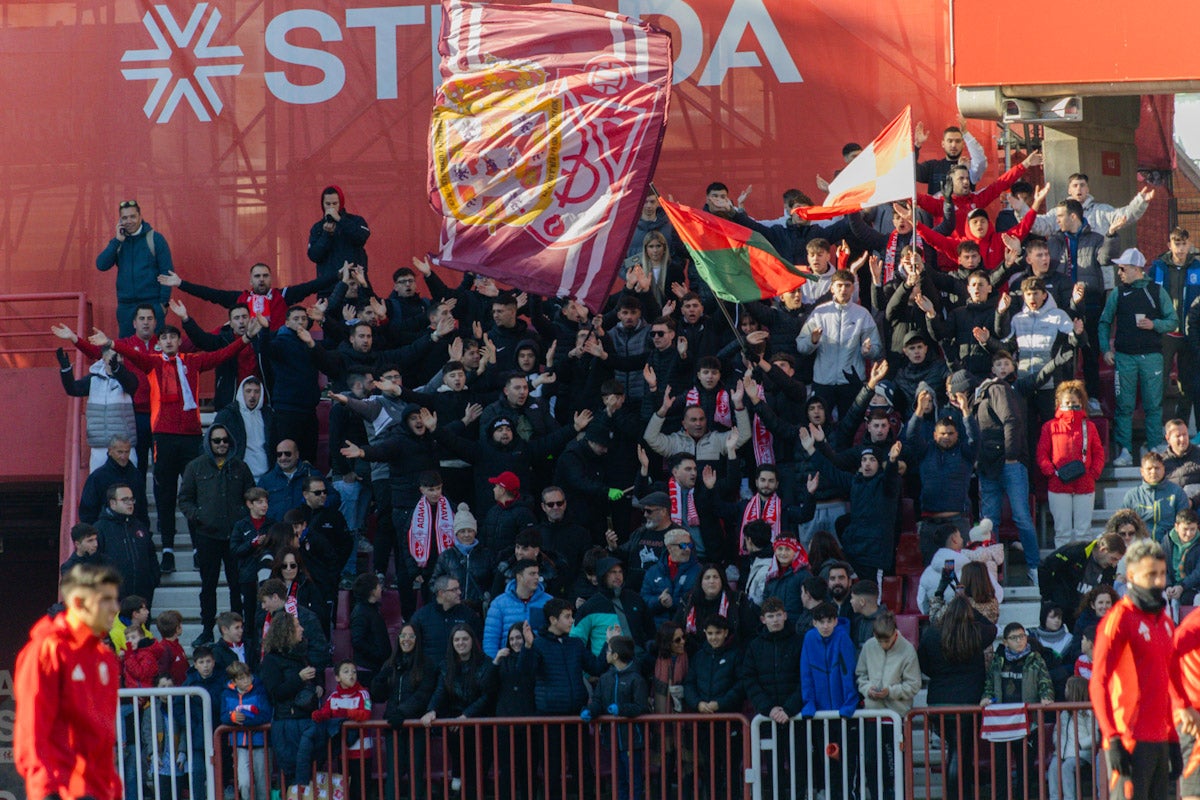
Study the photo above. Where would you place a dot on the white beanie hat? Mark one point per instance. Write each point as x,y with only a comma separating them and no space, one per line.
464,519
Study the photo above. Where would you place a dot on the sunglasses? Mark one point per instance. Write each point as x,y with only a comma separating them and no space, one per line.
219,440
684,545
678,640
283,452
554,503
318,492
290,566
658,334
128,204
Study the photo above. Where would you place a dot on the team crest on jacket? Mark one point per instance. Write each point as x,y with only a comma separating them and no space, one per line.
1144,631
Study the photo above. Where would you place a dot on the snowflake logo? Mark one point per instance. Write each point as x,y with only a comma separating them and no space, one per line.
187,87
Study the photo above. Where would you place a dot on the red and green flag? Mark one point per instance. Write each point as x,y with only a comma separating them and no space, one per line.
738,264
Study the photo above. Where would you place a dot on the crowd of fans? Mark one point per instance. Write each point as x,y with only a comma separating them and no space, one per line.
645,509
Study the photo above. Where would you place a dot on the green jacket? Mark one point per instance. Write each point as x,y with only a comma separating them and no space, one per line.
1027,676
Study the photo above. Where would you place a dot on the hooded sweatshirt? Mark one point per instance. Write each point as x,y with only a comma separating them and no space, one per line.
347,242
1035,334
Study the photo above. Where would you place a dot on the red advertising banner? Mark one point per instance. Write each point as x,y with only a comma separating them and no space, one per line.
545,132
226,118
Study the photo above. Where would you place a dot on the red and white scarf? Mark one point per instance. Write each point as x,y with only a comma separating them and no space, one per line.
424,524
893,249
764,444
291,604
722,609
722,415
676,492
260,304
798,563
754,510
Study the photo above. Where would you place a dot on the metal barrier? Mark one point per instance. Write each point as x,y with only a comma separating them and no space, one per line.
947,758
670,756
839,756
164,743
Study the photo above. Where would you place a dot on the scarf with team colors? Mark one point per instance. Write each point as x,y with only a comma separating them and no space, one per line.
676,491
423,526
722,415
722,609
755,509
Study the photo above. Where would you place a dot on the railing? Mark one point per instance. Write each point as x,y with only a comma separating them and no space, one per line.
836,755
955,762
165,743
671,756
16,354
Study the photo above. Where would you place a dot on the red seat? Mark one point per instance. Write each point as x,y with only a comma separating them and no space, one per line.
342,648
911,583
909,626
908,555
908,515
893,592
389,606
341,617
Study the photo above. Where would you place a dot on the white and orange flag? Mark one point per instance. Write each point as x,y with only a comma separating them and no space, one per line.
882,173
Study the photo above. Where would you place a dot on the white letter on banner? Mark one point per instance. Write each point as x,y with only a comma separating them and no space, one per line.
691,33
725,55
329,64
385,20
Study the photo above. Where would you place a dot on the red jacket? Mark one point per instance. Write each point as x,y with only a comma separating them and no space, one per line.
167,414
139,668
172,660
1185,663
353,704
1131,690
65,731
141,398
965,204
1061,441
991,246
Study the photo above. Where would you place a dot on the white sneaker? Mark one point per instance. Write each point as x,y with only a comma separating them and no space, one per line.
1033,578
456,784
1094,409
1123,459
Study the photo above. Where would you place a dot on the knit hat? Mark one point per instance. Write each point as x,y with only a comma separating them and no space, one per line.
981,532
886,390
961,383
789,543
605,565
464,519
598,431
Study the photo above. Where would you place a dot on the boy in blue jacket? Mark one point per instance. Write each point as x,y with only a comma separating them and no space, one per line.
246,703
827,682
203,674
623,692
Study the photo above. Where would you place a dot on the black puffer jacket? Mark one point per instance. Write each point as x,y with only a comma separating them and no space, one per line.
472,569
464,689
408,455
404,688
500,525
713,676
280,674
771,671
514,688
369,636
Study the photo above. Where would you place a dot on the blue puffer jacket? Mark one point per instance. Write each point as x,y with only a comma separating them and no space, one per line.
658,579
508,609
137,269
557,664
294,385
1182,283
255,704
827,672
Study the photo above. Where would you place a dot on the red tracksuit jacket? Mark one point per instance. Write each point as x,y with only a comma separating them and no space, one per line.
167,414
66,719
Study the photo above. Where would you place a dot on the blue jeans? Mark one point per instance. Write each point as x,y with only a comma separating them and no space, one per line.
355,497
1014,482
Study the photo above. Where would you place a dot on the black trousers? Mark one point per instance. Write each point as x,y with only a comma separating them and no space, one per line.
1151,774
210,555
172,452
145,441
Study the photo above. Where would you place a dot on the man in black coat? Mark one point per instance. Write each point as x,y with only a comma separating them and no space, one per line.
117,468
212,499
771,678
326,543
567,539
1072,570
337,237
125,541
434,621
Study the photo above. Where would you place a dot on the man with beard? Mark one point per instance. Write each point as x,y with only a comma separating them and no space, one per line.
1132,685
613,605
837,579
260,299
252,424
